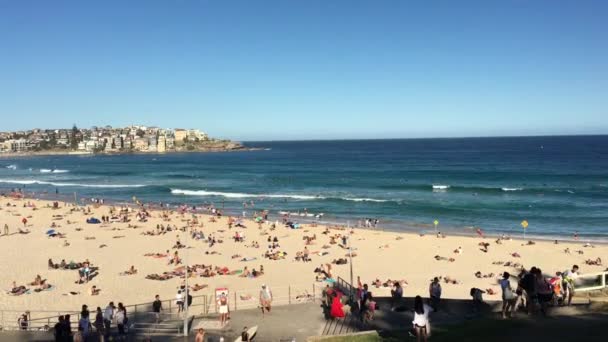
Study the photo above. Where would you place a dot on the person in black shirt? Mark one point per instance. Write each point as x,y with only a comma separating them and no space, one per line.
60,330
157,307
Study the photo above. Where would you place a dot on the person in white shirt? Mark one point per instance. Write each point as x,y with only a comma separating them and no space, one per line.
508,297
569,277
179,300
421,319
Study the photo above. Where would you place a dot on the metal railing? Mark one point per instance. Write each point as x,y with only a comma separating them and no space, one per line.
202,304
591,282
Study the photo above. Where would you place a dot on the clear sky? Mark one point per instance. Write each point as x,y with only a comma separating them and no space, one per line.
313,69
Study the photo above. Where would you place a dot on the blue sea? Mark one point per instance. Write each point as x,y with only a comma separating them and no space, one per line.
558,184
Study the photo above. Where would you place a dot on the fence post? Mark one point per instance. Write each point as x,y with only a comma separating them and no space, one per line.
289,294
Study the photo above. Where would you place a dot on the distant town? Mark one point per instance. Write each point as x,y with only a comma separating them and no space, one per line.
107,139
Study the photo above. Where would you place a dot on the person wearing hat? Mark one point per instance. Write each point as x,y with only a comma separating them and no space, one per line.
265,298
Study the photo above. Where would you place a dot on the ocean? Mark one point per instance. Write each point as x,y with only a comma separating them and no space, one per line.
559,185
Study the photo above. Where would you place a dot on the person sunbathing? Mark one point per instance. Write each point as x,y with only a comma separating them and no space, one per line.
458,250
37,281
339,261
52,265
245,273
18,290
596,262
515,255
198,287
43,286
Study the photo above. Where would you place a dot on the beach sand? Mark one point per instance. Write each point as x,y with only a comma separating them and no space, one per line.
380,254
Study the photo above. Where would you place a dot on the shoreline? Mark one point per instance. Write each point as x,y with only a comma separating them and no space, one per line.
408,227
9,155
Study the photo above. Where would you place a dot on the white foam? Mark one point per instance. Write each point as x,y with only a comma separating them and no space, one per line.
245,195
53,171
238,195
29,182
440,187
511,189
365,200
12,167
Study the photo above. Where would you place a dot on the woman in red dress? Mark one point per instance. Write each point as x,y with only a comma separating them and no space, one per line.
336,306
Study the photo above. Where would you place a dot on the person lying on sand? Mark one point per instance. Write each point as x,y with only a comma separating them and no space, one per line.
197,287
18,290
596,262
450,280
478,274
340,261
440,258
458,250
515,255
43,286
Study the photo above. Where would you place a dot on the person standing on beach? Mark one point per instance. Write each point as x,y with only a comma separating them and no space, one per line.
5,229
108,315
435,293
157,307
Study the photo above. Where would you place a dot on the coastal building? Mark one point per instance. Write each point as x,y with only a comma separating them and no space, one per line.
15,145
140,144
162,144
170,143
152,144
180,136
91,145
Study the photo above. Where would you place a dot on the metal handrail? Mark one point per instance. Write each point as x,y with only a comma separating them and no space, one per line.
603,280
205,306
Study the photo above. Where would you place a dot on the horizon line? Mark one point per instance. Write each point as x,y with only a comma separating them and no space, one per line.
429,138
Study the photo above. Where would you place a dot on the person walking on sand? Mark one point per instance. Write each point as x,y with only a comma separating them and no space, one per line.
265,298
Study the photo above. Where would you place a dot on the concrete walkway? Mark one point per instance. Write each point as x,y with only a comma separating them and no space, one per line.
284,323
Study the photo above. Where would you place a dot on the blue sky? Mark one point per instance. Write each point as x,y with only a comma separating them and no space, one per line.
313,69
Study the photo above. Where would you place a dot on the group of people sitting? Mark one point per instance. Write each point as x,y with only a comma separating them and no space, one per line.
253,273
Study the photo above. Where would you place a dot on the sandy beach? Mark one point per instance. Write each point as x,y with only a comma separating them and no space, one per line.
114,247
